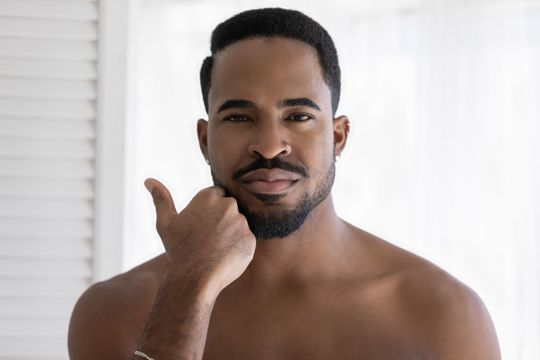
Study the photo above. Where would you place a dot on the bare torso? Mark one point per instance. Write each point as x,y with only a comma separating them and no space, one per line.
383,305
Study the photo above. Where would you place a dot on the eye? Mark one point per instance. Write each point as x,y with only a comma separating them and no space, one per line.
300,117
236,118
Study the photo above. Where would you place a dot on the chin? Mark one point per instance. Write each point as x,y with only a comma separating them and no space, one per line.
275,219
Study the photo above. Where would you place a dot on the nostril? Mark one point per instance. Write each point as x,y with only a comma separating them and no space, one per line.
268,150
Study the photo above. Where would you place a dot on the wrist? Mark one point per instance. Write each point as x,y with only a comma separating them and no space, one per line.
198,283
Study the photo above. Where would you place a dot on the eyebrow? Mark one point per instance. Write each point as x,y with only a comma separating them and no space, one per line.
299,102
246,104
230,104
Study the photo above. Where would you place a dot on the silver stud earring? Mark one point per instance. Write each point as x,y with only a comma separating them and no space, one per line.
207,161
336,159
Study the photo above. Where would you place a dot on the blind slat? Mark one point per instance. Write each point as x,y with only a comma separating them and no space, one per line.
47,88
34,327
46,168
49,109
47,49
47,29
46,228
45,268
45,209
31,248
50,9
40,307
51,69
12,348
47,149
45,188
42,288
47,128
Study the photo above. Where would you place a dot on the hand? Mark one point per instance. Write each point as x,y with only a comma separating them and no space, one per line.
210,239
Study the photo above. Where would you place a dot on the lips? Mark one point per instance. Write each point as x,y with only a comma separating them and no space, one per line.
269,181
270,175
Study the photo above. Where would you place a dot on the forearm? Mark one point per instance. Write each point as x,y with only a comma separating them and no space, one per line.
178,325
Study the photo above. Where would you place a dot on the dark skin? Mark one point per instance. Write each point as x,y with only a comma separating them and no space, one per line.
326,291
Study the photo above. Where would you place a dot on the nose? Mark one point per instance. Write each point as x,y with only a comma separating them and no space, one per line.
269,141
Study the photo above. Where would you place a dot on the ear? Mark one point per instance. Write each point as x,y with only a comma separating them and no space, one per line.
202,134
341,126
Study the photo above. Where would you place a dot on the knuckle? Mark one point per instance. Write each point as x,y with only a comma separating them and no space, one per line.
161,226
244,222
217,190
231,203
205,193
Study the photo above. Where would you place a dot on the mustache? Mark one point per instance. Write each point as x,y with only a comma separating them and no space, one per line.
277,162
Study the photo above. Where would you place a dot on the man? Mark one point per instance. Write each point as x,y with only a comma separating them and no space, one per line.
259,266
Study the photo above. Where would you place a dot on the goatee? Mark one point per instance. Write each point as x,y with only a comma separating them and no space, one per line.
285,222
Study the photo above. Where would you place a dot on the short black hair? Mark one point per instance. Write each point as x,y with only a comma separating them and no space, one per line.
275,22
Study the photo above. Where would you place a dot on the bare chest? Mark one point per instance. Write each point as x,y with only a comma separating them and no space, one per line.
318,330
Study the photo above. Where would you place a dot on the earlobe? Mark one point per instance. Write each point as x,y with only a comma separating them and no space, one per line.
202,135
341,126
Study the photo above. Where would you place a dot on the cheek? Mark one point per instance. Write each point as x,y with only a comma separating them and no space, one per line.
224,152
317,156
317,148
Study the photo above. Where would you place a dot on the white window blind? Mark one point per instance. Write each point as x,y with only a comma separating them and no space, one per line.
48,52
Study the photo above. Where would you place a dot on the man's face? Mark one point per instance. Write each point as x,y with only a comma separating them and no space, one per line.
270,135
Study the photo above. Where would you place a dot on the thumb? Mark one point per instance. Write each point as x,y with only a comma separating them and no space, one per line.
163,200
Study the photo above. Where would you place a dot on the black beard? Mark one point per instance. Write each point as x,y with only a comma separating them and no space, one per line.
287,222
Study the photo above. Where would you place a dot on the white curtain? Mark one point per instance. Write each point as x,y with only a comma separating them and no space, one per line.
479,120
444,153
445,102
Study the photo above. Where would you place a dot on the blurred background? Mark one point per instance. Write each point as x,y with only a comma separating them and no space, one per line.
443,157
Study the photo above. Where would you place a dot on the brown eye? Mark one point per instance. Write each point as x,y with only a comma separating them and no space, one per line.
300,117
236,118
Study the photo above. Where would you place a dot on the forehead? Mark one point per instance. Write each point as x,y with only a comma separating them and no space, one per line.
268,69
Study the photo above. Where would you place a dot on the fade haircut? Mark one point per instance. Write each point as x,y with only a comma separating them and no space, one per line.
275,22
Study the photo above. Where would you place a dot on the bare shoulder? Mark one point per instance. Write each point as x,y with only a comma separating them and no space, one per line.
449,315
109,317
451,320
448,319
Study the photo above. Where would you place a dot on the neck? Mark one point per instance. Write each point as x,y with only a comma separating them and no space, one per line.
311,251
